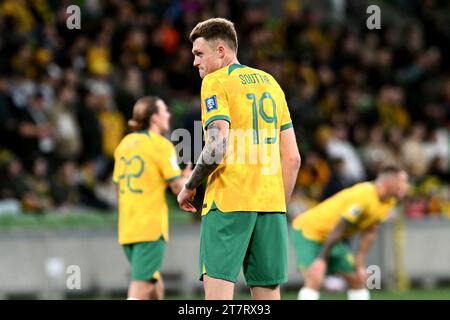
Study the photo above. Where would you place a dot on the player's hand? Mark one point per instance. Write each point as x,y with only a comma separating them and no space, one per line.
316,272
361,273
185,198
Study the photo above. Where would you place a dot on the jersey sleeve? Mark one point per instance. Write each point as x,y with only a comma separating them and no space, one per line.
214,102
286,121
285,115
167,163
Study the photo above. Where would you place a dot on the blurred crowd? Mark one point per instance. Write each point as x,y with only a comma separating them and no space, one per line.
359,98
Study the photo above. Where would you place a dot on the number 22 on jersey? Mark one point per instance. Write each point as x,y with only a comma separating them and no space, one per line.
132,170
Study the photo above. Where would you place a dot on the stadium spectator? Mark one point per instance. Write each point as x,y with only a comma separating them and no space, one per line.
413,152
40,184
336,181
35,131
66,128
376,152
338,146
65,188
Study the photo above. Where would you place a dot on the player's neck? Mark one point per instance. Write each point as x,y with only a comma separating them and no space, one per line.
156,130
229,60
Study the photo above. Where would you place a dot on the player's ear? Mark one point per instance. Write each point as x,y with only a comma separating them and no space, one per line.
221,50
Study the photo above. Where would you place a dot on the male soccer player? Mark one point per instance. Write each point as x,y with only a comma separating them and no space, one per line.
244,210
319,234
145,163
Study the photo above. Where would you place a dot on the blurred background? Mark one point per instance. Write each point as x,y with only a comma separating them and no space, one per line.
358,98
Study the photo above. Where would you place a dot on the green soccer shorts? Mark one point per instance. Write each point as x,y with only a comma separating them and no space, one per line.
256,241
340,260
146,259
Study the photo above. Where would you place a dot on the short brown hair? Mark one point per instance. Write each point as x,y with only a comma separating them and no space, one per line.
215,29
142,122
389,169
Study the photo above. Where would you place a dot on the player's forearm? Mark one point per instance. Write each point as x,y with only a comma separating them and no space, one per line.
333,238
290,161
290,170
366,242
212,155
200,173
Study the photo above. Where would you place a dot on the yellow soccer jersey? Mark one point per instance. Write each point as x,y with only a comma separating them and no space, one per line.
249,179
144,164
359,204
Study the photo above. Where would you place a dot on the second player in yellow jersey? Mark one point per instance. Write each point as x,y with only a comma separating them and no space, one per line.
360,205
145,164
319,234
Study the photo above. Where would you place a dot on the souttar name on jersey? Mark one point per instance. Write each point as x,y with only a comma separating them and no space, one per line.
211,103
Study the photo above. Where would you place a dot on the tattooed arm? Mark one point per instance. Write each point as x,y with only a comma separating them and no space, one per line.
212,154
210,158
317,270
335,235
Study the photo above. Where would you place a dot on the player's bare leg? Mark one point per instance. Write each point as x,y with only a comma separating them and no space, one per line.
311,288
217,289
266,293
140,290
356,287
158,292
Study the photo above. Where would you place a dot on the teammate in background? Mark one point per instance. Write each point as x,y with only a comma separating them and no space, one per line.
319,234
244,211
145,164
